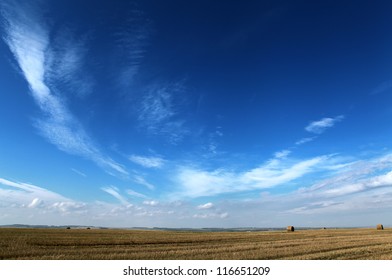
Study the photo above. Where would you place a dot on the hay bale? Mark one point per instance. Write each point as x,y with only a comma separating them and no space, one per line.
290,228
380,227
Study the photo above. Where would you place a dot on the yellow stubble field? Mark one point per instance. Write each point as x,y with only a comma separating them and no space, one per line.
116,244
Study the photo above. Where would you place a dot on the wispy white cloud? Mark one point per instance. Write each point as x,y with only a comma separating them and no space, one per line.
78,172
194,182
135,194
321,125
115,193
340,166
208,205
157,108
276,172
36,202
131,38
362,185
65,64
311,207
356,196
149,162
141,181
282,154
31,191
69,208
27,36
30,204
352,173
159,112
28,40
18,195
211,215
151,202
305,140
212,144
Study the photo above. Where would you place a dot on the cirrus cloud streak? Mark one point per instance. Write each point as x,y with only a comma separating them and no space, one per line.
28,37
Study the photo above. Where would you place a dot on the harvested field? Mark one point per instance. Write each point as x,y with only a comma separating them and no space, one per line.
97,244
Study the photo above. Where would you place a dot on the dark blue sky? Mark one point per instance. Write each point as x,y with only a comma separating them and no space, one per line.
195,113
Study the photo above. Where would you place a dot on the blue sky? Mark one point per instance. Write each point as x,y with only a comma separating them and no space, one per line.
196,113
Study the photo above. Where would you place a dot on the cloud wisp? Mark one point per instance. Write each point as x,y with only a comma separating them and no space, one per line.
358,186
143,182
381,181
282,154
207,205
19,195
361,185
279,170
113,191
304,140
193,182
320,126
135,194
148,162
78,172
356,177
158,112
131,39
27,36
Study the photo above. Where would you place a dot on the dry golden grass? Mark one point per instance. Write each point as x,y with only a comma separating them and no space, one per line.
80,244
